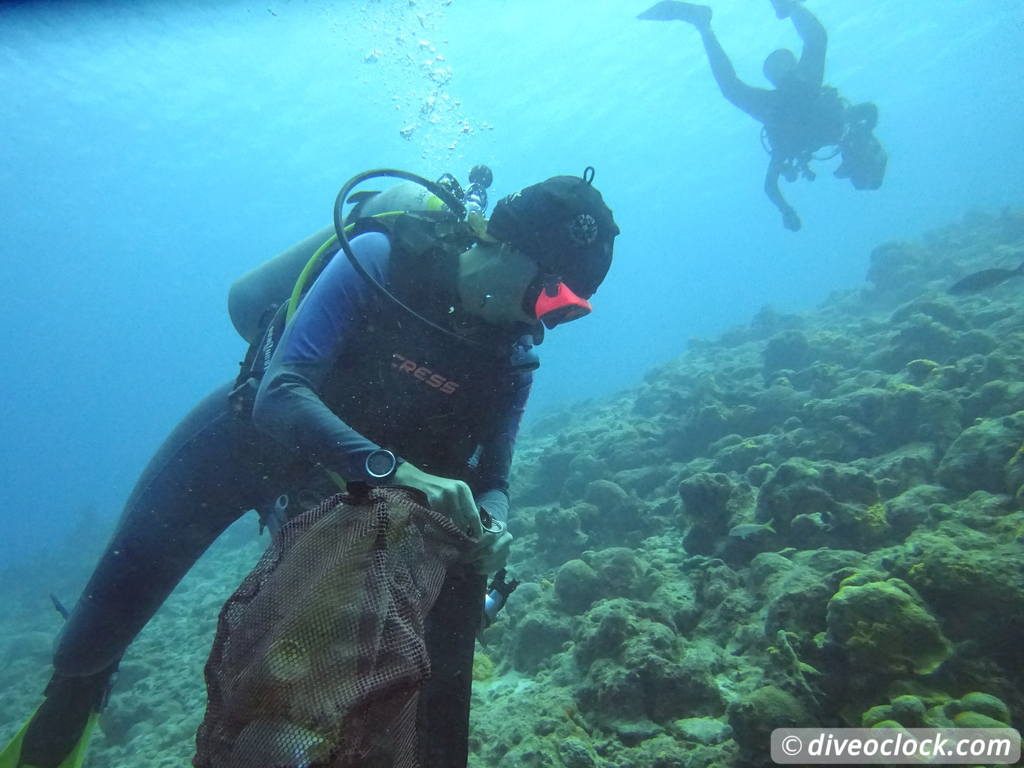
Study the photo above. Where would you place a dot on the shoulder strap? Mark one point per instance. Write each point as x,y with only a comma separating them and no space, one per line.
256,361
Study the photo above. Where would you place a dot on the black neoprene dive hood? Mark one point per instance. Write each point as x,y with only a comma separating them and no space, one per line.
564,225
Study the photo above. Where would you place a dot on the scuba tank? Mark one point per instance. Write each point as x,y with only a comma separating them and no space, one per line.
262,301
255,296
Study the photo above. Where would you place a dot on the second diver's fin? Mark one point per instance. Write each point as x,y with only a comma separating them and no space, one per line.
11,756
674,10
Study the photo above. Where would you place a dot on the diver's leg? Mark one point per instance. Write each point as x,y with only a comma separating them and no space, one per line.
200,481
783,7
807,25
58,726
756,102
207,473
815,39
443,708
753,101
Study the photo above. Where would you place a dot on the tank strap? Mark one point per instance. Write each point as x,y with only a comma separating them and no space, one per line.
415,235
256,361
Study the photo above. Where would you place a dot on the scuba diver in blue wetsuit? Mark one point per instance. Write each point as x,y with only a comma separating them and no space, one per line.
404,357
800,115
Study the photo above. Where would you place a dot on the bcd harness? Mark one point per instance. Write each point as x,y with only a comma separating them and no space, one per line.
823,125
417,239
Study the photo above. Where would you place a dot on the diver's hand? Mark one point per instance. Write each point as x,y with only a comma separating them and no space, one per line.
447,496
791,221
491,553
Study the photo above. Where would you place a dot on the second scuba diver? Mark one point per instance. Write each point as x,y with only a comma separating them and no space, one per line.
407,361
800,115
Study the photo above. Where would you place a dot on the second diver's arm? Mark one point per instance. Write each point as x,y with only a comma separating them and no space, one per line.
790,219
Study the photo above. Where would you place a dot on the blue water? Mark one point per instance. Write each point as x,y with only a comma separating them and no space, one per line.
153,151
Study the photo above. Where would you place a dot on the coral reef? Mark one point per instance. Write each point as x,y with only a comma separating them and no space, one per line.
815,519
974,710
788,524
884,632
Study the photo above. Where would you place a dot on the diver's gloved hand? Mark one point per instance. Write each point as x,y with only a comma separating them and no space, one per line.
491,553
791,221
445,495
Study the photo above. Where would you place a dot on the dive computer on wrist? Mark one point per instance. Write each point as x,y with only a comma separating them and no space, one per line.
380,466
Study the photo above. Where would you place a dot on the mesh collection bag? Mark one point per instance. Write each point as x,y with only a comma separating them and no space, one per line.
320,654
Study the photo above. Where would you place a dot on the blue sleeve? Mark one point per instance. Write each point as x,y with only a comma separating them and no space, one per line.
496,456
288,404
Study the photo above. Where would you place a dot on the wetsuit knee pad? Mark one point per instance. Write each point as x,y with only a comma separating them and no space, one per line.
75,655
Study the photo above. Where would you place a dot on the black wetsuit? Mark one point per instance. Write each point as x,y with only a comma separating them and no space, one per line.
800,118
351,373
801,115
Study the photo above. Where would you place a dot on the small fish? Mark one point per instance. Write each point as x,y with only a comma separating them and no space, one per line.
749,531
987,278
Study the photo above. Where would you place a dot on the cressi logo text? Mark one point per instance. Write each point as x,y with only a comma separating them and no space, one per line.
427,376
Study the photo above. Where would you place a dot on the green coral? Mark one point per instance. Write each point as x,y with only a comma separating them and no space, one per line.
976,720
483,667
982,704
876,520
1015,476
876,715
982,457
907,711
920,369
885,629
973,710
755,715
